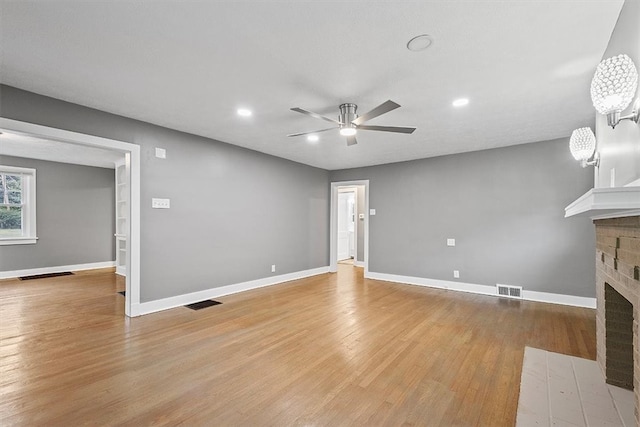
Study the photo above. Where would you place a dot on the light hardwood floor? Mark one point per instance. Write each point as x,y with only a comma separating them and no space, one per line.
333,349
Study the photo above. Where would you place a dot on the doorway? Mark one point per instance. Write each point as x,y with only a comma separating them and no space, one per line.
132,164
347,229
349,232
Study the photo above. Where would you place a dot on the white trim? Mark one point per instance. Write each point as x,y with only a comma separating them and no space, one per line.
17,170
18,241
132,154
333,223
559,299
180,300
484,289
56,269
358,263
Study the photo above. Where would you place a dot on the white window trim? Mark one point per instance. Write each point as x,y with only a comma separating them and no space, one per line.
28,206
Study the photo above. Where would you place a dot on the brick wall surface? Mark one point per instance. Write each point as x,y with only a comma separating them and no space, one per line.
618,265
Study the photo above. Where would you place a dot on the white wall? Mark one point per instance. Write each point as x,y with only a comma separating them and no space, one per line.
620,147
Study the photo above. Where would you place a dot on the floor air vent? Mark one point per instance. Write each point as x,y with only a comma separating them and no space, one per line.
46,276
202,304
509,291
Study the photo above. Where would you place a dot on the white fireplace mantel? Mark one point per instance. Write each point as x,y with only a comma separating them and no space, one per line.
601,203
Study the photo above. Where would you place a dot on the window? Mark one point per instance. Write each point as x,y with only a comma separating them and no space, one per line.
17,205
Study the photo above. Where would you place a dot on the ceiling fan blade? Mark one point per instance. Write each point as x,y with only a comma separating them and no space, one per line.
316,115
385,107
387,128
351,140
308,133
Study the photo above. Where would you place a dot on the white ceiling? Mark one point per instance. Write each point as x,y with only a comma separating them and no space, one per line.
525,65
55,151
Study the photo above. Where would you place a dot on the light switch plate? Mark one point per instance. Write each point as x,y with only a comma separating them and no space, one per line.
161,153
451,242
160,203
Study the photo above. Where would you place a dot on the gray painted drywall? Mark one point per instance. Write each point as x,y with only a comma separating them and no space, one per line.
360,222
620,147
234,212
75,216
504,207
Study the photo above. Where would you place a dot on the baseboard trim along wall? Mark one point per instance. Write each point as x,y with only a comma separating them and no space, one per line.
485,290
180,300
57,269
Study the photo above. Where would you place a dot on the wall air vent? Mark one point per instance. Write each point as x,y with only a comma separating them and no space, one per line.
509,291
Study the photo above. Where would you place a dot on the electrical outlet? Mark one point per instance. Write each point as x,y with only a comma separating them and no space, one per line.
160,203
451,242
273,268
372,211
456,274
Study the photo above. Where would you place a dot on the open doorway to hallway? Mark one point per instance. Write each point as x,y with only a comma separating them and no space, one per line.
349,224
347,230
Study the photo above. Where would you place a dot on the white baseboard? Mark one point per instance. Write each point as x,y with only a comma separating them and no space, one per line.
559,299
485,290
180,300
358,263
57,269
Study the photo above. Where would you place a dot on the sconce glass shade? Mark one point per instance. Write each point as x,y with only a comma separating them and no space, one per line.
614,84
582,144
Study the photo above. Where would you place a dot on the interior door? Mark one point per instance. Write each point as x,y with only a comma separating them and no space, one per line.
343,225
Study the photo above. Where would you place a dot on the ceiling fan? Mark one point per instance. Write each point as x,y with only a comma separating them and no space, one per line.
349,122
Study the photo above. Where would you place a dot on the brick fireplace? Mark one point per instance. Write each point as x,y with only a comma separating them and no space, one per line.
618,302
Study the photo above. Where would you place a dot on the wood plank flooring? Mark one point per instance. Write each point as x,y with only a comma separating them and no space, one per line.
333,349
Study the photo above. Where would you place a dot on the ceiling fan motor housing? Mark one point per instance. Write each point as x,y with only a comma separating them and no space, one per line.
347,115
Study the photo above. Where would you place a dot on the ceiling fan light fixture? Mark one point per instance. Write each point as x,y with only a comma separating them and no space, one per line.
348,131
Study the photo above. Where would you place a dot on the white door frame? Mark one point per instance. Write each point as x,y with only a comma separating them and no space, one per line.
132,159
333,224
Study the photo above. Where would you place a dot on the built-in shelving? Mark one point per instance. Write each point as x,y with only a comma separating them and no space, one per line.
122,197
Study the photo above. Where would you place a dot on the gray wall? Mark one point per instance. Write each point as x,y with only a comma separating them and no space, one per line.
74,218
234,212
620,147
504,207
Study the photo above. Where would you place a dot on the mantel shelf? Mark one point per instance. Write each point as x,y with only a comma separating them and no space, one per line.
600,203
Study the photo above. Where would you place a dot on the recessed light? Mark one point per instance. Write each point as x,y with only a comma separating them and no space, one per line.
418,43
348,131
243,112
460,102
313,138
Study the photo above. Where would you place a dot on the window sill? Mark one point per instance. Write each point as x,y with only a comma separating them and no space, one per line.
18,241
